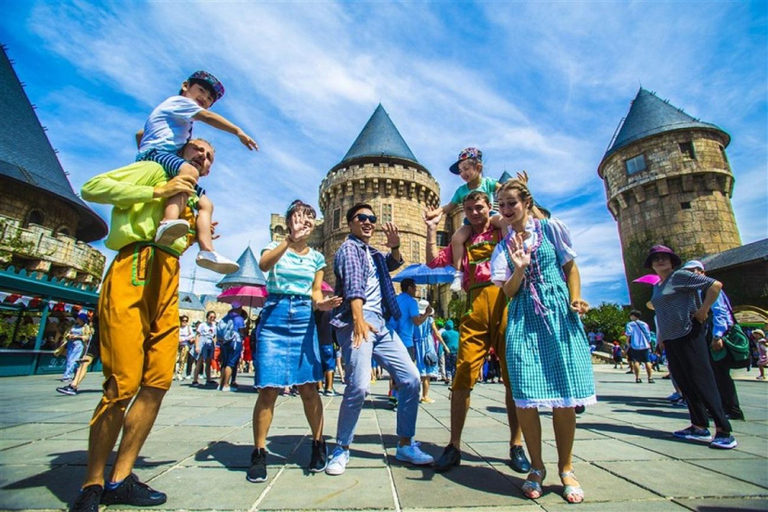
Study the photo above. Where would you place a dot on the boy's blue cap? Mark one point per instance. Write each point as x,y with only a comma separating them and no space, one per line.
465,154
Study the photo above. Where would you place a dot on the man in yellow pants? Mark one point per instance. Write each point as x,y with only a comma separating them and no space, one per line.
139,321
482,327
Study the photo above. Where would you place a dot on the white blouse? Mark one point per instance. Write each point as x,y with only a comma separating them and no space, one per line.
557,233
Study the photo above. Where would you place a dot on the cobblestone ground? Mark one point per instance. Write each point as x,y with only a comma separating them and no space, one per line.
199,450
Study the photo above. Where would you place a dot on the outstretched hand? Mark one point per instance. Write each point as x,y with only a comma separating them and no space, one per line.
328,303
247,141
432,217
301,227
519,255
393,235
523,176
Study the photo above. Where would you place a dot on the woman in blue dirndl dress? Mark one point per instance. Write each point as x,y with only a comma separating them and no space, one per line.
547,349
287,353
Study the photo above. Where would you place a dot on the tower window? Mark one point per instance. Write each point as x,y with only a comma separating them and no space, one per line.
415,250
635,164
386,213
685,205
686,148
443,239
34,217
722,152
337,218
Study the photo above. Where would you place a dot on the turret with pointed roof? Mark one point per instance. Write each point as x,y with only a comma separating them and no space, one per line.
381,170
248,274
668,181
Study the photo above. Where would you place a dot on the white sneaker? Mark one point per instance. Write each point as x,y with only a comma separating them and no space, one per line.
216,262
413,454
225,388
458,277
338,463
170,230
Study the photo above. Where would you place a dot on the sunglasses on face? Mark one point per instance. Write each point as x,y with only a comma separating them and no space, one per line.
361,217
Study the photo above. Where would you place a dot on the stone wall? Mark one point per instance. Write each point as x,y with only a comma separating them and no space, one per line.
17,201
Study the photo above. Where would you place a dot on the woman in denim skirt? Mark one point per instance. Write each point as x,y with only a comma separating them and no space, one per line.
287,353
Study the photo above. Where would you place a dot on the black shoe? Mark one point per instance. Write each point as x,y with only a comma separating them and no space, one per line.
258,470
517,459
133,492
450,457
735,415
67,390
319,459
88,500
580,409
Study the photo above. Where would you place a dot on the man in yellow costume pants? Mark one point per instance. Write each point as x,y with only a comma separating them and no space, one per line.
139,321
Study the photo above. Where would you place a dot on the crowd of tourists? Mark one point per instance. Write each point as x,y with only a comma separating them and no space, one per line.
515,263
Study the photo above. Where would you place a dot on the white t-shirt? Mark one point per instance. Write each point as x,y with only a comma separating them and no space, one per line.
169,126
207,332
372,287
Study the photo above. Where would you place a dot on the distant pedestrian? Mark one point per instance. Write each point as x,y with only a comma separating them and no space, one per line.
617,355
205,345
639,341
76,339
424,337
762,346
186,342
451,339
91,354
230,331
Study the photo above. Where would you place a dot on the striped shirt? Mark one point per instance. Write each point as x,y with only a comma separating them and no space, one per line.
294,274
675,300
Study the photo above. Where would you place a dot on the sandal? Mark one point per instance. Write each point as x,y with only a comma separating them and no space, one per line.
651,381
572,493
638,380
532,489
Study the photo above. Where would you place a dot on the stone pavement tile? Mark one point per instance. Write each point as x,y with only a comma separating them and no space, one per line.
499,433
224,418
155,453
690,483
651,505
463,486
357,488
726,504
11,443
244,434
236,455
687,450
527,506
599,486
497,454
194,488
73,433
612,449
175,415
39,487
752,445
78,418
201,435
755,413
34,431
753,428
12,417
752,470
45,452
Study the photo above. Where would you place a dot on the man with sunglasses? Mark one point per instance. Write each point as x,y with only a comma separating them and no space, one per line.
363,280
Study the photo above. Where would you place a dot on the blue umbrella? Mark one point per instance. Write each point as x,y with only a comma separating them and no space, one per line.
422,274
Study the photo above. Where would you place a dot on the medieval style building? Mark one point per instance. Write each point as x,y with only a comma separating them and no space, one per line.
668,181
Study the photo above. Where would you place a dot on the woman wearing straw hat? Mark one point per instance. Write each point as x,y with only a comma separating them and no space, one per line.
682,301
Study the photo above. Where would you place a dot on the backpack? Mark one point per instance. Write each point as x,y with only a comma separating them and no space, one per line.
225,329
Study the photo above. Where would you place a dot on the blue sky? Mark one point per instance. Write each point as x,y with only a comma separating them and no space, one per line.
538,86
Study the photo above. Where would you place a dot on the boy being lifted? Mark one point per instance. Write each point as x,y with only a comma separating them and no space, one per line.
167,129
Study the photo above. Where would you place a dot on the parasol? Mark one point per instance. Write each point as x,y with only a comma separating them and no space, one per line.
651,279
246,295
422,274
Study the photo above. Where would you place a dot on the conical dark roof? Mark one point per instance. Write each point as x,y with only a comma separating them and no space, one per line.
379,138
249,273
650,115
26,154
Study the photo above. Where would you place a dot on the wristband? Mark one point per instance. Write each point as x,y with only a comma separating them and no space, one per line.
395,247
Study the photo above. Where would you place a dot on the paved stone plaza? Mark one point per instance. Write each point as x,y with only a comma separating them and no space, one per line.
199,450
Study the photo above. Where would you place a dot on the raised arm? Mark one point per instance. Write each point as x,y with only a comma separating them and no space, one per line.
222,123
521,258
432,223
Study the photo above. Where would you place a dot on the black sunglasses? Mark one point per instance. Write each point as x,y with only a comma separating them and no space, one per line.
363,217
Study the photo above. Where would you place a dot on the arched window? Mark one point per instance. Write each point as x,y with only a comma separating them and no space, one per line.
34,217
63,230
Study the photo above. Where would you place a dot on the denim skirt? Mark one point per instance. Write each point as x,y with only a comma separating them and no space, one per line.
287,351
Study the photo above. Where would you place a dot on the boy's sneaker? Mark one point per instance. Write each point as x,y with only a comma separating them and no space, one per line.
216,262
88,500
458,277
131,491
170,230
319,459
67,390
338,463
258,470
680,403
674,397
694,434
413,454
723,441
392,403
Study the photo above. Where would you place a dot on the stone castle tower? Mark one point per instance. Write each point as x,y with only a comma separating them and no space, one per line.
379,169
668,181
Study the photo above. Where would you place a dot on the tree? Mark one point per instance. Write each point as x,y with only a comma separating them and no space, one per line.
608,318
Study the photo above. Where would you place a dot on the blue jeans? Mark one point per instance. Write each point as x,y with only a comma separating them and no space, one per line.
74,353
390,353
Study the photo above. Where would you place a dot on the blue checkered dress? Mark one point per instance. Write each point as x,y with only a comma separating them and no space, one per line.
547,354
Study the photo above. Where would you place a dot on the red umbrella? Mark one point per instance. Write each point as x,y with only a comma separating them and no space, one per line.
326,288
246,295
